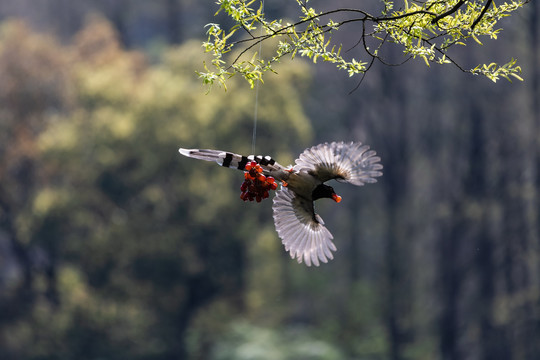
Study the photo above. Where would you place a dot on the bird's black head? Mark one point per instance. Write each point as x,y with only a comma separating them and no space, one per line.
325,191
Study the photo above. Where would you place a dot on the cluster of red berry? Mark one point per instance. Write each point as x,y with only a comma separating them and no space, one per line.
256,185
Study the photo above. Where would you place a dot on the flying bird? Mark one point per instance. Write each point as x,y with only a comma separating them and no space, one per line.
301,230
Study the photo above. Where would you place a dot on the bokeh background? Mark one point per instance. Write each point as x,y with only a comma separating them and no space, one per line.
112,246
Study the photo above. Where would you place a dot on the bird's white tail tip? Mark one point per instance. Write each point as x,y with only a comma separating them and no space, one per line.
185,152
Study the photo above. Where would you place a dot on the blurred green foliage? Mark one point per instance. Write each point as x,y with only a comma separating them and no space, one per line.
245,341
136,243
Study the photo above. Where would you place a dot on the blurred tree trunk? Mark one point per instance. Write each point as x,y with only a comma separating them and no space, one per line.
173,21
21,300
475,185
535,56
450,276
535,250
118,13
395,180
527,263
480,190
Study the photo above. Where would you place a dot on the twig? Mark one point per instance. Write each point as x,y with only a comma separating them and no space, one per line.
486,7
452,10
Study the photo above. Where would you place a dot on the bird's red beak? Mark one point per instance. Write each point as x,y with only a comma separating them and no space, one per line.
336,198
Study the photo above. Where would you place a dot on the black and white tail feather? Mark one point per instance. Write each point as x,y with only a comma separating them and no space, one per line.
302,231
229,159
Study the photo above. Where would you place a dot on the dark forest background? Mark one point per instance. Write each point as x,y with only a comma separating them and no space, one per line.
112,246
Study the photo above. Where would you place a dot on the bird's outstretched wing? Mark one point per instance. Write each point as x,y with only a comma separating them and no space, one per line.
301,230
351,162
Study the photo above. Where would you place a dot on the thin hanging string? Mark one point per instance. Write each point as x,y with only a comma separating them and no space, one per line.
255,112
254,135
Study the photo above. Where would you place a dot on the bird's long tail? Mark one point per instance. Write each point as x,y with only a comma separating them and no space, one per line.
230,160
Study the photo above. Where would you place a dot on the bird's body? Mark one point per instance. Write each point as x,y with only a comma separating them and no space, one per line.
302,231
301,183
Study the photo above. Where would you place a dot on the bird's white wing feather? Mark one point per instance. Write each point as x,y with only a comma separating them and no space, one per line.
351,162
301,230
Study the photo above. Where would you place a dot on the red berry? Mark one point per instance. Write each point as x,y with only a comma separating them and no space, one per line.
256,185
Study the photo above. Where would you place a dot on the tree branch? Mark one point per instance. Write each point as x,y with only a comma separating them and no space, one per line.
409,28
486,7
451,11
283,31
